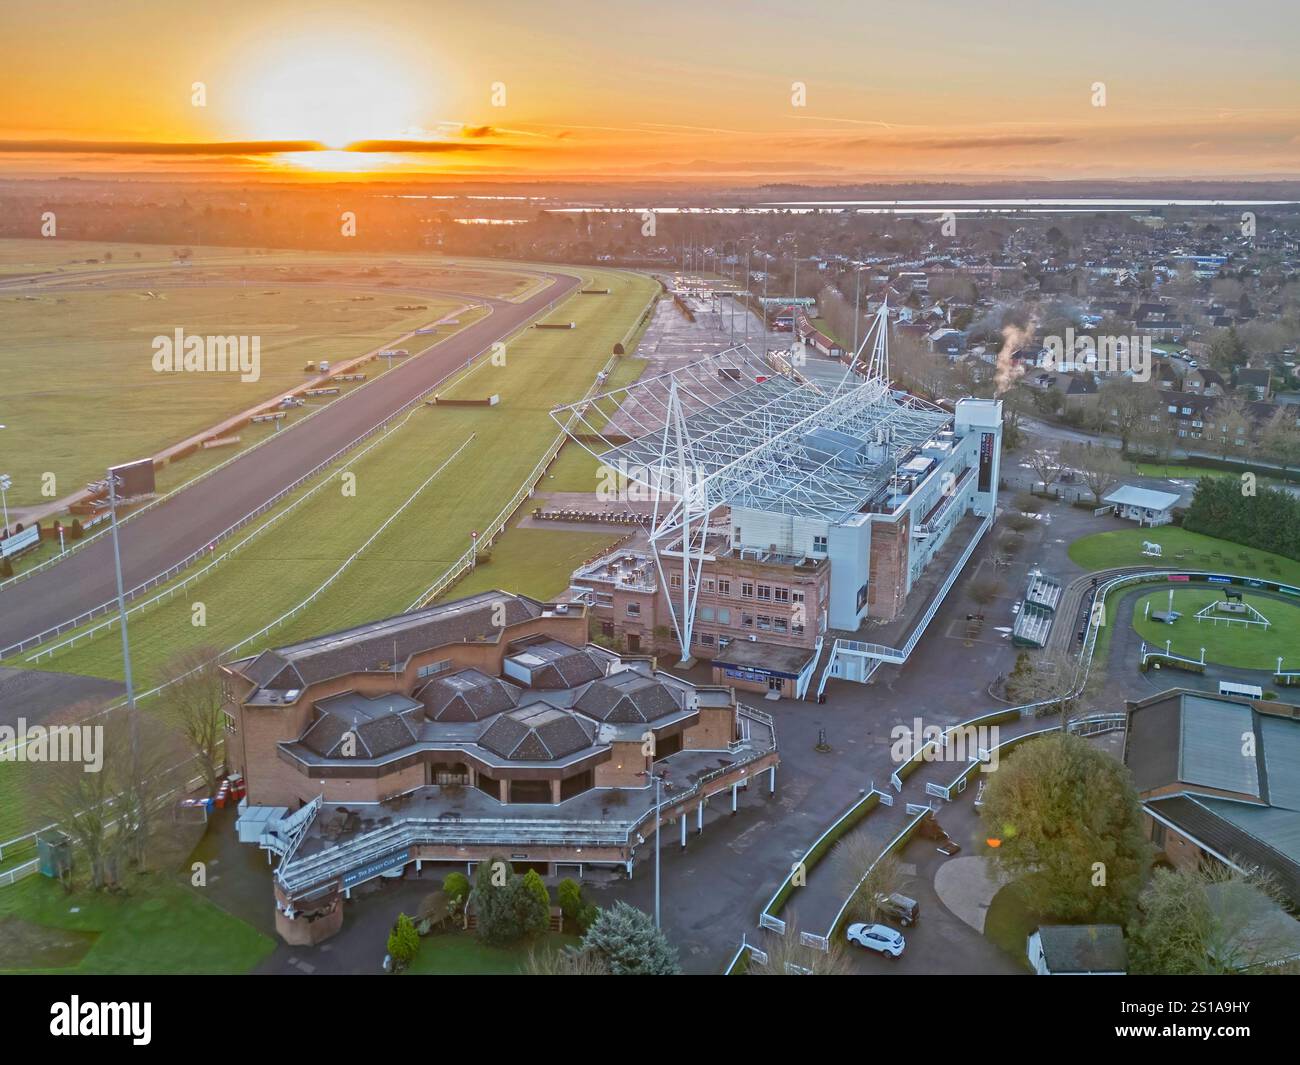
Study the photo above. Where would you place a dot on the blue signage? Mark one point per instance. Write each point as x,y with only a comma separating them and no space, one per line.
372,869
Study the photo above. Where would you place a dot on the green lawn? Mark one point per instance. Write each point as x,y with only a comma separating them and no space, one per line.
1009,921
283,566
464,954
160,927
78,358
1190,473
1244,646
1123,547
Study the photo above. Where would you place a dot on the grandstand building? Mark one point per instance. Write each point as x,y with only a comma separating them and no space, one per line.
807,507
478,728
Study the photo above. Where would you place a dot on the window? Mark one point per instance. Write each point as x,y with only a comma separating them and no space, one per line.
1158,834
706,639
796,597
634,610
706,613
764,622
781,595
724,616
675,580
765,592
724,587
796,628
434,667
819,545
747,620
746,590
778,624
708,584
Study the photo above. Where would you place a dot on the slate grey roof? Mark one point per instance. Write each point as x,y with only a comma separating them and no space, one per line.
379,725
551,664
1233,831
537,732
627,697
1083,948
381,646
468,695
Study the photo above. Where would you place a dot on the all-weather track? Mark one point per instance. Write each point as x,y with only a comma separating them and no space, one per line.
169,532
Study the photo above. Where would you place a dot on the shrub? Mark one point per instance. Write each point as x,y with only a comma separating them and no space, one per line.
456,887
627,941
6,568
76,531
403,941
569,895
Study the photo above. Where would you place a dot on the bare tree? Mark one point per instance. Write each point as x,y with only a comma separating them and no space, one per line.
196,698
1046,462
1232,423
1099,466
984,590
865,875
788,956
80,801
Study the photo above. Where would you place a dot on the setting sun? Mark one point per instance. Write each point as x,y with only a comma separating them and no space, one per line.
331,90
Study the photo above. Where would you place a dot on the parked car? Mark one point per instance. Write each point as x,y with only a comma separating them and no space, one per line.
948,847
878,937
310,367
902,909
324,366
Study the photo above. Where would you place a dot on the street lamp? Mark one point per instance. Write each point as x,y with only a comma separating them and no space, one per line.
114,482
660,780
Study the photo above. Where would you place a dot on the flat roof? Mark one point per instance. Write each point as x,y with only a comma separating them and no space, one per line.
1130,495
772,658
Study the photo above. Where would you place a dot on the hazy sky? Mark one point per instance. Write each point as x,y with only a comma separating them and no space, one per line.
669,89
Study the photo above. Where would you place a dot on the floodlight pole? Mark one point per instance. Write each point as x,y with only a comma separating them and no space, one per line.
4,499
121,614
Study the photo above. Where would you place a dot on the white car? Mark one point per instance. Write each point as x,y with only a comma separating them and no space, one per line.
878,937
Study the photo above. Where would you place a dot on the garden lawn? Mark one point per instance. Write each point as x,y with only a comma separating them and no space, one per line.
1235,644
1123,547
160,927
464,954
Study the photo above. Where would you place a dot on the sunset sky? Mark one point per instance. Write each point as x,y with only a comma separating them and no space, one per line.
670,90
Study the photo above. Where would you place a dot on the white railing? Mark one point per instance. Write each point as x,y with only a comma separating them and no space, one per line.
172,571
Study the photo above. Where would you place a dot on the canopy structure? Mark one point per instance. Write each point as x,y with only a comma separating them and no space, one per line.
743,429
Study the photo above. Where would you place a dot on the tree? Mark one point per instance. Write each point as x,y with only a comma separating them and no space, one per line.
1128,406
984,590
629,944
1099,466
403,941
568,894
456,887
1279,439
534,903
1046,462
566,962
79,802
788,955
508,906
195,696
1231,428
1227,351
865,876
1195,922
1069,828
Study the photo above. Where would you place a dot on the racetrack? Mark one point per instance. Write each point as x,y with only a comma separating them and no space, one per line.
172,530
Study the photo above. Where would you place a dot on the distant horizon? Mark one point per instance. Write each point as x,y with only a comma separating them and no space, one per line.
809,93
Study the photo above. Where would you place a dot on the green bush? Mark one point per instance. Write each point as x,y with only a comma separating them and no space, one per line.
569,896
403,941
456,887
1268,519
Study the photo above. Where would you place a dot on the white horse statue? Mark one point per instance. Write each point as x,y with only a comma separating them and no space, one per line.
1154,550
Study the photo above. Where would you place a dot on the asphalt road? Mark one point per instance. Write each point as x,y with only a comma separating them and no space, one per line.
160,537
